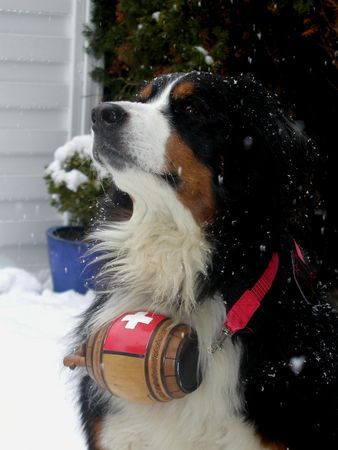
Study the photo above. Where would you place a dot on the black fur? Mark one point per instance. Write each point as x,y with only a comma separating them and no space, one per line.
262,167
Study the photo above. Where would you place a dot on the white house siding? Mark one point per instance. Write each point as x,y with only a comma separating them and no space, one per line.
45,99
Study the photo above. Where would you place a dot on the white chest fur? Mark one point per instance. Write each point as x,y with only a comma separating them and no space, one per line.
159,255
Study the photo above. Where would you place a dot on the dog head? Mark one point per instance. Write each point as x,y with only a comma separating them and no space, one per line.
224,145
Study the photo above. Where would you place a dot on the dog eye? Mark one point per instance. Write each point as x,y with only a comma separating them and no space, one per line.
191,109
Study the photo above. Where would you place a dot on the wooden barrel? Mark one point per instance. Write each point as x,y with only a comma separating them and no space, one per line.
144,357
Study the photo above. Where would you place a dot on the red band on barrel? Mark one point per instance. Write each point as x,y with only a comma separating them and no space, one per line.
131,332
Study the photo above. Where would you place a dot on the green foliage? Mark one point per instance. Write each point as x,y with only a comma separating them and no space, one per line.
303,6
151,37
138,39
80,202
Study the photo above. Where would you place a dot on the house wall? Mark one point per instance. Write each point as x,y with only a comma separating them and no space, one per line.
45,99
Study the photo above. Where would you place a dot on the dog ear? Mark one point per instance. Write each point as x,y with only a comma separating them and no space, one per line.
276,158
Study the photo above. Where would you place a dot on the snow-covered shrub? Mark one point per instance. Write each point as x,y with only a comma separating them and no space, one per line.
73,181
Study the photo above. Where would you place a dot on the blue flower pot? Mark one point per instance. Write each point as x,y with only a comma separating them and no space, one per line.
71,266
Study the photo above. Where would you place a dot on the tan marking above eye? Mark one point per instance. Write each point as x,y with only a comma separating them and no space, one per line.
183,90
195,189
145,93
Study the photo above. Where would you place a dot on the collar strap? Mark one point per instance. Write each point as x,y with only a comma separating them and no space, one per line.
242,311
240,314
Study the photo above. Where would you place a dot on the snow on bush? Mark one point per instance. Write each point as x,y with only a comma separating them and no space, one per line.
207,58
73,180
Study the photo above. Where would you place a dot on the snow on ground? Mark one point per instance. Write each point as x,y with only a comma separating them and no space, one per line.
37,409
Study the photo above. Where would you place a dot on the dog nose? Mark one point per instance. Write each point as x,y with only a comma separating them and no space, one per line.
108,114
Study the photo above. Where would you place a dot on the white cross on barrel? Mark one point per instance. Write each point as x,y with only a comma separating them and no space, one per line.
134,319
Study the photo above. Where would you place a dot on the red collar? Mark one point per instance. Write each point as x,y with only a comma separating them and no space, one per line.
240,314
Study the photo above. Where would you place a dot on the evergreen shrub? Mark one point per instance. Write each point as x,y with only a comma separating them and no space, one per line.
74,182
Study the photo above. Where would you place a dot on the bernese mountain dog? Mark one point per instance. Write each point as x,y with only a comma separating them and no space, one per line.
214,181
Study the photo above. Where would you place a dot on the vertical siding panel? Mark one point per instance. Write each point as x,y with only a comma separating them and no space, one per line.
44,92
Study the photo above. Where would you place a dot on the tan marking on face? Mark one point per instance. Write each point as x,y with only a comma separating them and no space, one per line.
145,93
195,189
183,90
272,445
